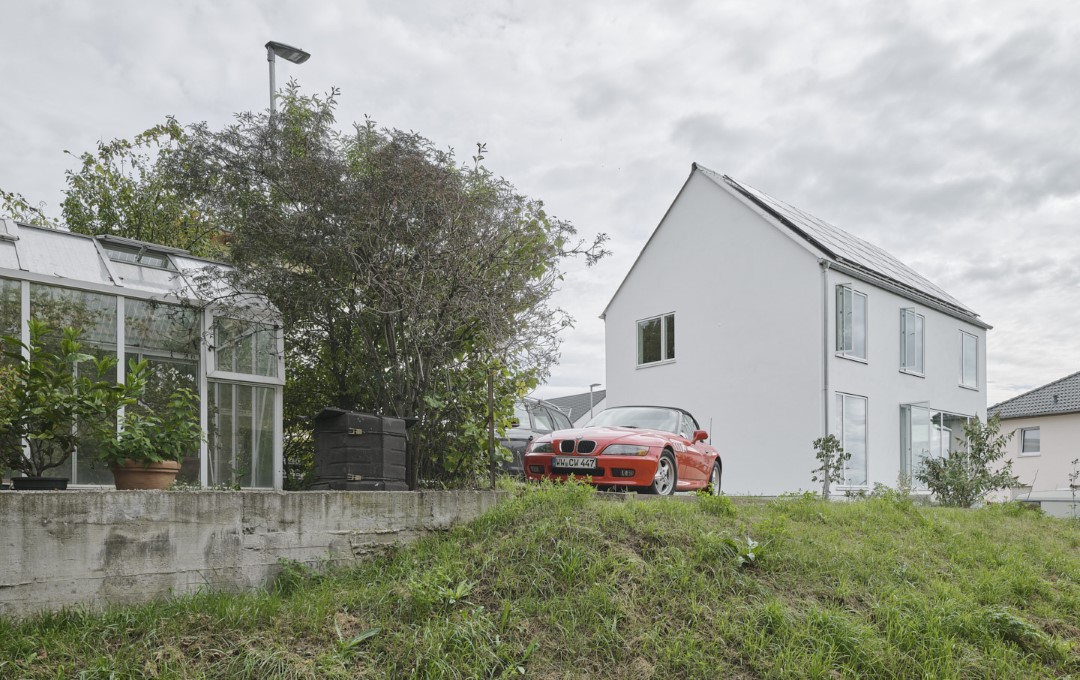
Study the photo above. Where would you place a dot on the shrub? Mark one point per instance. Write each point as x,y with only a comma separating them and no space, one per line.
832,459
719,506
966,475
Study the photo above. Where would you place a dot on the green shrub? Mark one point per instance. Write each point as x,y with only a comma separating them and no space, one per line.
719,506
966,475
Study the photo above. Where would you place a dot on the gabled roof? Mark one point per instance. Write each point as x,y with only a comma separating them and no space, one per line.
577,405
850,253
1060,396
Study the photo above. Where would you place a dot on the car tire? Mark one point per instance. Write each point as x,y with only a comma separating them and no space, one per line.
714,478
667,476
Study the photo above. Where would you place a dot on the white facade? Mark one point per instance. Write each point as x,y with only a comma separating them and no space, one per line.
1044,459
755,358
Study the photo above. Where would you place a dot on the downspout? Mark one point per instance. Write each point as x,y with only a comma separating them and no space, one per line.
824,346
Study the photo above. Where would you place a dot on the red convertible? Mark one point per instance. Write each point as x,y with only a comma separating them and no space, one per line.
653,449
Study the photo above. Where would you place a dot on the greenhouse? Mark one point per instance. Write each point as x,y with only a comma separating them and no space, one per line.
136,300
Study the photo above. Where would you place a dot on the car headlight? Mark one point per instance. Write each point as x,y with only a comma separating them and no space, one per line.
626,450
540,447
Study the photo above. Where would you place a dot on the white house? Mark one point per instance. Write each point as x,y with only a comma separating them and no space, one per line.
1046,423
774,327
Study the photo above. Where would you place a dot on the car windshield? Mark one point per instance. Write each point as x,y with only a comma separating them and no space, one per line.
644,417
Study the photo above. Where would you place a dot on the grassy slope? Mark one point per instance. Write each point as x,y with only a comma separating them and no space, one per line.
558,584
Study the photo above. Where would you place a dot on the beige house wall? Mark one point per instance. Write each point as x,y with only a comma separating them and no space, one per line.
1060,445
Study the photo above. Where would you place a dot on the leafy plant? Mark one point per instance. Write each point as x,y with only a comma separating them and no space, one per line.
146,435
967,474
831,458
51,388
718,506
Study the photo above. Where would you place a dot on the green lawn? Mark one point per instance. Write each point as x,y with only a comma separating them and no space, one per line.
557,583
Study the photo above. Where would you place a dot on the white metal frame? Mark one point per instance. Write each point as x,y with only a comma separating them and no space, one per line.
663,340
841,350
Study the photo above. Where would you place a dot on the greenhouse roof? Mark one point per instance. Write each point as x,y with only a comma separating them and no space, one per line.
103,263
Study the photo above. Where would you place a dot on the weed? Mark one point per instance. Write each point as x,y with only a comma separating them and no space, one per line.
717,506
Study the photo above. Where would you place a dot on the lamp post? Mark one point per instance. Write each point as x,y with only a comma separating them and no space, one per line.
590,398
287,52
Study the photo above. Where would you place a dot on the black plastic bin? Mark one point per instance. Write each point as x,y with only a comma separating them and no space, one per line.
359,452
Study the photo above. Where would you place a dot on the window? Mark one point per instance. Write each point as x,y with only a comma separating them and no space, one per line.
541,418
138,255
560,420
10,308
1030,444
656,339
927,433
245,347
850,425
850,322
969,360
911,341
241,435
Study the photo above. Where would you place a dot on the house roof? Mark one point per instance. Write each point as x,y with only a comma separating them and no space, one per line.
851,253
1060,396
577,405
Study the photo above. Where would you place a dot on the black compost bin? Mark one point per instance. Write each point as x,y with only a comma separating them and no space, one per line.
359,452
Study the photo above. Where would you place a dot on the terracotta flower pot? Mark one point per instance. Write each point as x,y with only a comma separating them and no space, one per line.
137,475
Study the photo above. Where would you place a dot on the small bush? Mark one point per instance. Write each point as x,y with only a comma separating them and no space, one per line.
718,506
966,475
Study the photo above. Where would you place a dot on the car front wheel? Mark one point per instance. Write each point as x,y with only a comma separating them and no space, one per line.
667,476
714,478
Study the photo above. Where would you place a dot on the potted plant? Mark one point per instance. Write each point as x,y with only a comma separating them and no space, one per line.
146,450
47,390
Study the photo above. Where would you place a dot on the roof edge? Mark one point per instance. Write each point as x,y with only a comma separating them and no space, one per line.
1033,391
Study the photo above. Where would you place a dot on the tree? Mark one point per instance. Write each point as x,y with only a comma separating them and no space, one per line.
832,459
403,276
967,474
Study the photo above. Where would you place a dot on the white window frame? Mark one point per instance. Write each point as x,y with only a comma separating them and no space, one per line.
212,371
1029,454
843,484
844,316
663,340
975,385
909,315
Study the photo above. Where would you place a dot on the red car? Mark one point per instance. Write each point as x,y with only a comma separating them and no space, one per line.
653,449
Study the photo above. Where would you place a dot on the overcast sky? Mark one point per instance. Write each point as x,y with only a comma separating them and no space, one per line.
946,132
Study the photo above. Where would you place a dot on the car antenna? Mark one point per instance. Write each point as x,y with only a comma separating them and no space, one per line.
710,430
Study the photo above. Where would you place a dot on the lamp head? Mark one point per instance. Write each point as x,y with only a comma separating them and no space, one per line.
288,52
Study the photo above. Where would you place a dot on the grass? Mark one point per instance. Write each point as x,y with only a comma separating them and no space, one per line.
557,583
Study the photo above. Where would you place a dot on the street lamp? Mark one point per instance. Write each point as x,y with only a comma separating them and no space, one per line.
287,52
590,398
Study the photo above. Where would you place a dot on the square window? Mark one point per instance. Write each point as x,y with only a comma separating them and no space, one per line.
656,339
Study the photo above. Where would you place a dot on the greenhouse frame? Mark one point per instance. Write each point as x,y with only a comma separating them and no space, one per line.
137,300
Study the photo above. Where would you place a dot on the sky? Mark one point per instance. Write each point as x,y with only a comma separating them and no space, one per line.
946,133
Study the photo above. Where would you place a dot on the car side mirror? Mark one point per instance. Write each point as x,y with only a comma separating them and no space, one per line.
700,436
514,422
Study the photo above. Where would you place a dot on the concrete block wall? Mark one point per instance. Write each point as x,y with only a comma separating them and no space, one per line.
69,548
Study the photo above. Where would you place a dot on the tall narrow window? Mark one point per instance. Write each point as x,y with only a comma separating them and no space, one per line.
656,339
850,425
969,360
911,341
850,322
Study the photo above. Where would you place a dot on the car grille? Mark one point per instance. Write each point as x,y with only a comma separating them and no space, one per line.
584,446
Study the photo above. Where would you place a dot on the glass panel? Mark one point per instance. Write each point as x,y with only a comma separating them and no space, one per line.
1031,441
918,435
161,327
649,341
541,419
86,468
166,376
93,313
245,347
853,415
10,307
918,343
969,357
521,414
137,256
560,420
911,341
669,324
858,326
843,318
241,435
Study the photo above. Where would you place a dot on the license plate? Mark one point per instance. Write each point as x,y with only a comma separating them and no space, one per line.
575,462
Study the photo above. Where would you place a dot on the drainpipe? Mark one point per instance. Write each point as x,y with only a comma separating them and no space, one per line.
824,346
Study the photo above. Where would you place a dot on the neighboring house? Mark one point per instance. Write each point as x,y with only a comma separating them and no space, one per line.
1046,421
577,406
773,328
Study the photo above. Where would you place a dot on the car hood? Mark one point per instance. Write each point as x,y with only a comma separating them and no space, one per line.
610,435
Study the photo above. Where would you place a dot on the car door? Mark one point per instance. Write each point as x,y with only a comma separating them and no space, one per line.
697,457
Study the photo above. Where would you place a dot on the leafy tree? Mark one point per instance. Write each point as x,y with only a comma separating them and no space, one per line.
967,474
831,458
403,276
